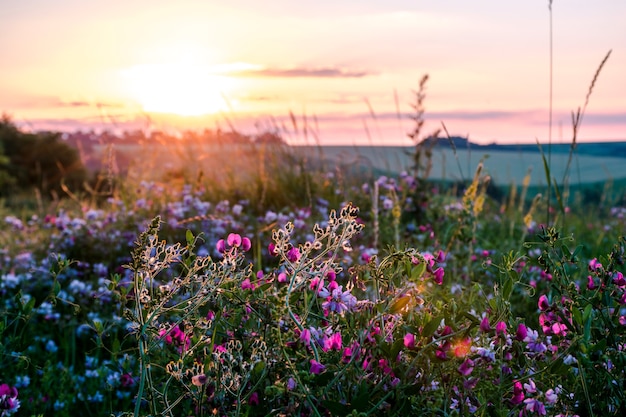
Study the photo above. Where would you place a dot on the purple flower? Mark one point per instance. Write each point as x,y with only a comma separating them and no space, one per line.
619,280
316,367
254,398
291,384
484,325
591,285
535,406
8,400
466,367
337,300
221,246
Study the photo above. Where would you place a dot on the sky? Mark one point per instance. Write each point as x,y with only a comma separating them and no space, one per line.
324,71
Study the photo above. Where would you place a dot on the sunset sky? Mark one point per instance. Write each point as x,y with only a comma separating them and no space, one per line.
339,66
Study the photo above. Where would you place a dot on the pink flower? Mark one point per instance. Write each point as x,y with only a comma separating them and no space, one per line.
282,277
622,320
199,380
293,255
409,341
590,284
438,275
619,280
221,246
247,285
246,244
333,342
543,303
272,249
316,367
501,328
594,265
521,332
518,393
234,240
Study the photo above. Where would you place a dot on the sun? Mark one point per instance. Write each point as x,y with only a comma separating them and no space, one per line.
179,89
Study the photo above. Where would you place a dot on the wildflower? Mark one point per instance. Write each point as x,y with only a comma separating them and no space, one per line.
619,280
551,396
521,332
199,380
594,265
466,367
8,400
501,328
543,303
293,255
484,325
305,336
518,393
333,342
535,406
247,285
282,277
254,398
221,246
271,248
337,300
622,320
126,380
530,387
409,341
438,275
316,367
291,384
591,285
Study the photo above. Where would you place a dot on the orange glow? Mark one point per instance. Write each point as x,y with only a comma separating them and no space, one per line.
184,90
462,347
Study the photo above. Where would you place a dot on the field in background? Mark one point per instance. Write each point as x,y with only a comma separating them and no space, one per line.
505,166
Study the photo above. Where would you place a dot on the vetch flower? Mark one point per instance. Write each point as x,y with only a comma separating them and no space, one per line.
337,300
518,393
199,380
316,367
521,332
409,341
484,325
466,367
293,255
543,303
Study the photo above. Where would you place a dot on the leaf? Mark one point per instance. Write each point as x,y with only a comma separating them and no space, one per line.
189,237
337,408
431,327
399,304
56,288
577,316
507,289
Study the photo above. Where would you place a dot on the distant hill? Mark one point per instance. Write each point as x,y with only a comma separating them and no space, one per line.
612,149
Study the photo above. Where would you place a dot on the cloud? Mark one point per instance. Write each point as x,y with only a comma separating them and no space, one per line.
301,72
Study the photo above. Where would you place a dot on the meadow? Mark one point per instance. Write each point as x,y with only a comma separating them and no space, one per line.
280,283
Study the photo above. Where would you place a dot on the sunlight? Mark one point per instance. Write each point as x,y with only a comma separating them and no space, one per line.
184,90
